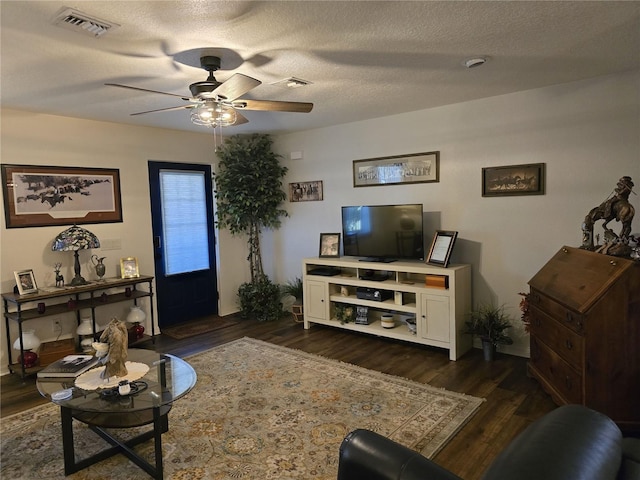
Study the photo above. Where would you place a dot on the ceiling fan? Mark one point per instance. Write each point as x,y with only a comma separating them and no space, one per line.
216,104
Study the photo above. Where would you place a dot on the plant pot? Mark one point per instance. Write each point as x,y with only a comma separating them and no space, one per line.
488,350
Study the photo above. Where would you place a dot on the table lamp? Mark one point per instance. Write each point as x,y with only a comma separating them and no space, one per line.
74,239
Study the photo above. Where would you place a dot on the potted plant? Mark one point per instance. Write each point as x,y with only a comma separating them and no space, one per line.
294,288
249,198
489,323
345,313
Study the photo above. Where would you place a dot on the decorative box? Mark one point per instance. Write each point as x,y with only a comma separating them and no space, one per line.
52,351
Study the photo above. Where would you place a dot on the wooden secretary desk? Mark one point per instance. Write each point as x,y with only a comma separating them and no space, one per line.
585,333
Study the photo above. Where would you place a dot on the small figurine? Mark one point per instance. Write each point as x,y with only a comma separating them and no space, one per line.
59,277
117,337
616,207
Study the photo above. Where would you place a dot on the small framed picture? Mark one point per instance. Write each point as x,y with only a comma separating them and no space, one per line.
441,247
26,282
329,244
129,267
305,191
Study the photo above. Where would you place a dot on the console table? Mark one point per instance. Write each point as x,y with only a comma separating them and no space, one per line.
22,308
437,298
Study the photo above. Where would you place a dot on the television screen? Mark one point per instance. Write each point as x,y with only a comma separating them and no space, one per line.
383,232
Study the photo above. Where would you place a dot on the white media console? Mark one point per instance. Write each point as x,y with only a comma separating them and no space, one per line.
439,299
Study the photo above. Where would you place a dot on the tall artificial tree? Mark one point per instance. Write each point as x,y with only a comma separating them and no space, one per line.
249,197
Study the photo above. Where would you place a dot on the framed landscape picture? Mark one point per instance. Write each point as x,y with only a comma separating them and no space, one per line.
399,169
38,196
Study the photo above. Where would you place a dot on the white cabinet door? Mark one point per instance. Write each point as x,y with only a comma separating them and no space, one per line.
315,305
434,317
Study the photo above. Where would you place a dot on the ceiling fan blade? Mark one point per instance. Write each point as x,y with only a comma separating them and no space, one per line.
273,105
240,119
182,107
147,90
236,86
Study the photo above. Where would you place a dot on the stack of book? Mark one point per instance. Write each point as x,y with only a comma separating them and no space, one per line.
69,366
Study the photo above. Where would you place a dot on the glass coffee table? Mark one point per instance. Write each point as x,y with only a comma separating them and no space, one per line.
169,378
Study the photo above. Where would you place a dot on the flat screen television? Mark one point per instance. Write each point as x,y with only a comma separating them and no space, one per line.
383,233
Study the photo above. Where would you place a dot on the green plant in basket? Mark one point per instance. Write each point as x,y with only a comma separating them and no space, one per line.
294,288
345,313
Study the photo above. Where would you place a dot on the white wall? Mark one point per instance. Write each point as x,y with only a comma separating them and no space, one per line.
587,133
37,139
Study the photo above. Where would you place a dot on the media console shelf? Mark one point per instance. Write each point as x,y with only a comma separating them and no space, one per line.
438,305
22,308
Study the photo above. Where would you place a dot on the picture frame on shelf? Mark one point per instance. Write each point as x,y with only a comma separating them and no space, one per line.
129,267
512,180
39,196
441,248
329,245
400,169
306,191
26,281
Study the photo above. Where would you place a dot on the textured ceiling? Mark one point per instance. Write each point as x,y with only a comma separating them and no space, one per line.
364,59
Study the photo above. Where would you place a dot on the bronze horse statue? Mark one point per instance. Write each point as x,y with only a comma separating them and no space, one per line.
616,208
117,337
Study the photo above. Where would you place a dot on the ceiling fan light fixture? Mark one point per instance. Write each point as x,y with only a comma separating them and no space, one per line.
213,115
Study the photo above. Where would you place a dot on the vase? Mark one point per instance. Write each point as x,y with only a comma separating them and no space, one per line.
136,317
30,343
488,350
99,266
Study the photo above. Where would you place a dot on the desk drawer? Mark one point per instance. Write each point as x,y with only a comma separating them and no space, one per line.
556,372
564,341
570,318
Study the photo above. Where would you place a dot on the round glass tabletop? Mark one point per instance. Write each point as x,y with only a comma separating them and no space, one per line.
168,379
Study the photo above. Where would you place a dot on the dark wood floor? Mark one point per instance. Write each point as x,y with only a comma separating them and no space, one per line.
513,400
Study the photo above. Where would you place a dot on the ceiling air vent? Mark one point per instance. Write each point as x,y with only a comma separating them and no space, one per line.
82,23
292,82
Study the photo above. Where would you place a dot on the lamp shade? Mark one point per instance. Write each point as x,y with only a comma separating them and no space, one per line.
74,238
71,240
29,341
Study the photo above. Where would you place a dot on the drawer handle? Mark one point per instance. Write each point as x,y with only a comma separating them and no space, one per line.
565,250
569,317
568,383
568,344
614,263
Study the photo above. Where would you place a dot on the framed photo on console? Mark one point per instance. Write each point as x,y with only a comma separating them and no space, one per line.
129,267
329,245
26,282
441,247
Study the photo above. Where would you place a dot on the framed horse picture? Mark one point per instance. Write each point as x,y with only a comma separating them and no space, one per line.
510,180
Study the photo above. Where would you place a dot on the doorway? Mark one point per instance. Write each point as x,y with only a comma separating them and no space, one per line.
183,241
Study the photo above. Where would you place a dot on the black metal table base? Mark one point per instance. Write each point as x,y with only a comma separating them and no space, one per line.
160,422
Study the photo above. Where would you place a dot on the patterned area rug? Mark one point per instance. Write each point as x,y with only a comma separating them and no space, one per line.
258,411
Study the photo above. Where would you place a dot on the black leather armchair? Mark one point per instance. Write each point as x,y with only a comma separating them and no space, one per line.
569,443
